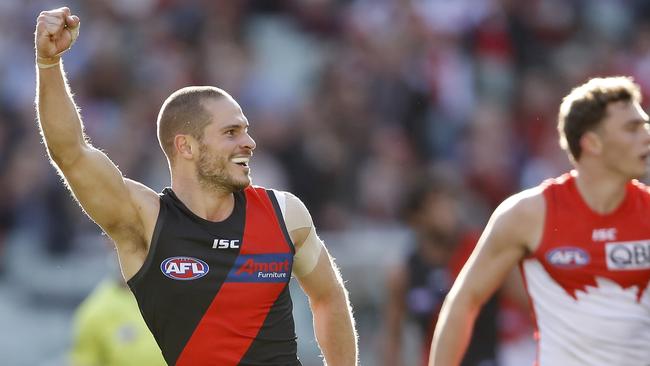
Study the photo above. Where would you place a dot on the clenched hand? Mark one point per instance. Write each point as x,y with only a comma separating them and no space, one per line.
56,31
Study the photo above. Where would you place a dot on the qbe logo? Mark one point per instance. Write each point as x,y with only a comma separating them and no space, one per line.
568,257
628,256
184,268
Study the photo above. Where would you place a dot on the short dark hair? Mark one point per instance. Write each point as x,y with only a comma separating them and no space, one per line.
427,184
586,105
183,113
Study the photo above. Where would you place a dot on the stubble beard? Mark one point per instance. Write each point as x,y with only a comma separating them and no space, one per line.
212,173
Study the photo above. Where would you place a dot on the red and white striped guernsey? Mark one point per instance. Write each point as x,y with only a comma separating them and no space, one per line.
588,279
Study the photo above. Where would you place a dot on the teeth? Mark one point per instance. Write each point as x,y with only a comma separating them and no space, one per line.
241,160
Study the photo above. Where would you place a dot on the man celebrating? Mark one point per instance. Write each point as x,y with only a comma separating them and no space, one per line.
582,241
209,259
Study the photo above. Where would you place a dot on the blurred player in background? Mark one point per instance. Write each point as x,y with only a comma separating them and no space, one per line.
443,242
209,259
582,241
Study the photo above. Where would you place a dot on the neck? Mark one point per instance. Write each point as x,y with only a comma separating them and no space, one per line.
602,191
209,204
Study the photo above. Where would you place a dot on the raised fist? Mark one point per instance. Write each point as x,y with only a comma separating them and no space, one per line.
56,31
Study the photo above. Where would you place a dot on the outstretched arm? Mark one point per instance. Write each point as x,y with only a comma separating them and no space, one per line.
121,207
507,238
321,281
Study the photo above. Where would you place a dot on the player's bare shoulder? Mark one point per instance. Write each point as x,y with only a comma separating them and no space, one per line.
523,214
296,217
147,204
144,198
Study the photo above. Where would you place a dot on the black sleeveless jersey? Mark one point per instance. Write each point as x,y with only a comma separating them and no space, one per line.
216,293
427,286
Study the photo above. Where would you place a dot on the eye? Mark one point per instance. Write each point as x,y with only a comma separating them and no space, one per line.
641,126
636,126
230,132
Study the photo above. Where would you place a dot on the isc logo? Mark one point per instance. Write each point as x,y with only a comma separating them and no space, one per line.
184,268
568,257
607,234
225,244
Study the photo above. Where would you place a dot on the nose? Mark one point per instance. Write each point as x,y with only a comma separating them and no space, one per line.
249,143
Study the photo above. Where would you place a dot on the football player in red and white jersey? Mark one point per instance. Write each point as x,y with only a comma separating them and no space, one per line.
582,242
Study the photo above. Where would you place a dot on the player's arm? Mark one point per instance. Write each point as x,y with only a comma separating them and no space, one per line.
320,279
113,202
515,224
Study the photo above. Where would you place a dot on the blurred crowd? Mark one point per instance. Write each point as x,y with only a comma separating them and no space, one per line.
350,101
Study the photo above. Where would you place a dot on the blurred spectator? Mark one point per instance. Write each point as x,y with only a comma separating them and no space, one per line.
109,330
462,82
442,243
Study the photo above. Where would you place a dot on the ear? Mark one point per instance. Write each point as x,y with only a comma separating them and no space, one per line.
591,142
185,146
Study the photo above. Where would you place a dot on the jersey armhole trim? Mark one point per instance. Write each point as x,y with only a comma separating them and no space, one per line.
279,202
152,247
548,197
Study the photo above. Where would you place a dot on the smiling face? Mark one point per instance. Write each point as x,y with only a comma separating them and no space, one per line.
225,147
624,139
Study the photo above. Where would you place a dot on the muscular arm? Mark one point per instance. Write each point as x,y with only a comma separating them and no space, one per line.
116,204
511,232
320,279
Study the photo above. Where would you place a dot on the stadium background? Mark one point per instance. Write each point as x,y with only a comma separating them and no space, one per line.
348,101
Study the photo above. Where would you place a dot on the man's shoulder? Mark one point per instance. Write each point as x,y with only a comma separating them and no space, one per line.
276,191
640,194
532,200
640,187
142,194
284,198
524,203
521,217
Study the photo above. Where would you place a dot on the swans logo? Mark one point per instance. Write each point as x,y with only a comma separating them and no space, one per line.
184,268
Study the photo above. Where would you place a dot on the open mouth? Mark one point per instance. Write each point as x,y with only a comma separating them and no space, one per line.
241,161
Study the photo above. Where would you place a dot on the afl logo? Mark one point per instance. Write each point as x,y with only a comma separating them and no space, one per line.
568,257
184,268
